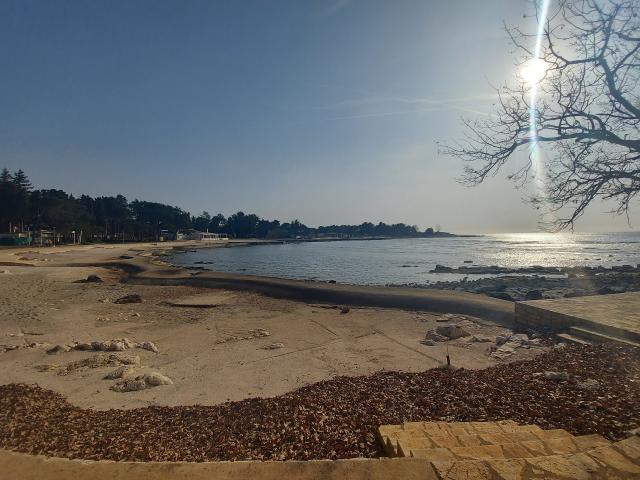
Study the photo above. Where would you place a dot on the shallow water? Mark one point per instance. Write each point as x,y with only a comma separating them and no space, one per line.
403,261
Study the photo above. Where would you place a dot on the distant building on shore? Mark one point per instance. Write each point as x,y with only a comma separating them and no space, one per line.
192,234
15,239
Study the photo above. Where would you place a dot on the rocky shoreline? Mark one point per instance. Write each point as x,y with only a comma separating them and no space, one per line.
535,283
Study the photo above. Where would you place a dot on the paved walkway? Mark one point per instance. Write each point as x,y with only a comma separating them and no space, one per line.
504,449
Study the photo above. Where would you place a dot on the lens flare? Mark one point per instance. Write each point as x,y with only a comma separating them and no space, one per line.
532,72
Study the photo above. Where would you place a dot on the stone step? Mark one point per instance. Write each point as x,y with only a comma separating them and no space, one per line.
402,443
408,440
441,434
524,449
601,337
487,450
601,463
567,337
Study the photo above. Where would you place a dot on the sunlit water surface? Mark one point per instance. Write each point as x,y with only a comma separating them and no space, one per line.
405,261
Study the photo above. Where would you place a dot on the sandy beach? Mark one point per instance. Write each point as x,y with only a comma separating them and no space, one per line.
200,372
208,345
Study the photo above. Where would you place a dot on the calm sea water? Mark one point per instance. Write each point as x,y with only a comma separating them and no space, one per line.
403,261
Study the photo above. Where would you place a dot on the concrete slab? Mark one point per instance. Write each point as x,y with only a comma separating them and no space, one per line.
617,315
207,300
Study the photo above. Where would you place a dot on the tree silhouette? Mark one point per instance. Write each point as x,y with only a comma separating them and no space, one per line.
587,112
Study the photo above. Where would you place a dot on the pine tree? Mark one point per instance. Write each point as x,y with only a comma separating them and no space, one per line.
5,176
21,181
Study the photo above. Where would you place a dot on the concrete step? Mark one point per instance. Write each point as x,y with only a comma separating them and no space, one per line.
606,330
526,449
567,337
398,440
598,337
601,463
486,450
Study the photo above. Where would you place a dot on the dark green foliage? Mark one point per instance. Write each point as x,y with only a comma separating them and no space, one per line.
113,219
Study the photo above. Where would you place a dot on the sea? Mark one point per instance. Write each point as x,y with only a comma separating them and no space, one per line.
409,261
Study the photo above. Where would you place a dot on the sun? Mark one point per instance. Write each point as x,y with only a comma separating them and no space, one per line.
533,71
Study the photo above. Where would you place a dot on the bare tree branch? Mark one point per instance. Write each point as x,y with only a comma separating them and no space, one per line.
587,111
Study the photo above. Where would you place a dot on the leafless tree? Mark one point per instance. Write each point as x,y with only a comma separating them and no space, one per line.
587,111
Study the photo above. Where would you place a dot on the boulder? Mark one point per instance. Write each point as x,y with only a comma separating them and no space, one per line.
127,343
155,379
133,298
83,346
480,339
124,371
109,346
130,385
558,376
588,384
274,346
501,339
93,279
533,295
503,352
149,346
345,310
428,342
435,337
441,268
451,331
59,349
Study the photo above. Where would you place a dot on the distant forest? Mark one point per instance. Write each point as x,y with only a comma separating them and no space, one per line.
22,208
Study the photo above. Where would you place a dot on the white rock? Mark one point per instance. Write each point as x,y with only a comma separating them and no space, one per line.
451,331
124,371
435,337
558,376
588,384
115,346
130,385
480,339
125,341
155,379
59,349
149,346
129,359
260,332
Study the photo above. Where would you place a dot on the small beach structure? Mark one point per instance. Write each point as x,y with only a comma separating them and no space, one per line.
23,238
201,236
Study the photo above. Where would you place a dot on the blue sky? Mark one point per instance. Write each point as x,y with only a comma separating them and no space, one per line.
326,111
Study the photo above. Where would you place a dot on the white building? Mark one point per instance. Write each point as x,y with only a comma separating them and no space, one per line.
201,236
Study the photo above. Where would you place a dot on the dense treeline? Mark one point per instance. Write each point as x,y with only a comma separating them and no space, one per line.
23,208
